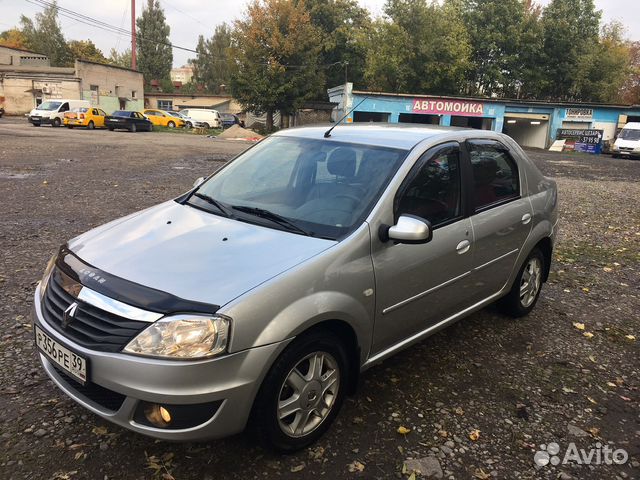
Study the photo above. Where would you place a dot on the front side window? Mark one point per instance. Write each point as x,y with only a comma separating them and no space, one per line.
495,174
324,187
432,190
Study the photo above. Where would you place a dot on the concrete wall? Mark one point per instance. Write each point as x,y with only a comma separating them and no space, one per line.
113,83
20,91
16,57
222,103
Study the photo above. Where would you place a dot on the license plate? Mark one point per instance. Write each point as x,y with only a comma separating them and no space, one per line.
69,361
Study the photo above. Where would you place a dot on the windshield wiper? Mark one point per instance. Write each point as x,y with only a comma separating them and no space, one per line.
274,217
215,203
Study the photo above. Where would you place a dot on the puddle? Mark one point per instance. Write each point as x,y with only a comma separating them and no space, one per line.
15,175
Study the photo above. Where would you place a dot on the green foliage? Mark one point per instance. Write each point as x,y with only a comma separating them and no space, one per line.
166,85
275,54
155,54
86,50
45,36
121,59
211,67
422,47
343,25
570,36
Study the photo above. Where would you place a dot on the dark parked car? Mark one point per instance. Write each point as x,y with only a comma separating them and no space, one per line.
1,112
128,120
229,120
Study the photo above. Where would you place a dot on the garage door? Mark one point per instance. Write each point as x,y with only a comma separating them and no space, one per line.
528,130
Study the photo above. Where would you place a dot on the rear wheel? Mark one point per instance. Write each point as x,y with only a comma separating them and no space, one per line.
188,125
55,122
526,289
302,393
206,125
111,129
69,127
91,125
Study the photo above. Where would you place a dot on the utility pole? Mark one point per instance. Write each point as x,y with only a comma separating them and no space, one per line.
134,63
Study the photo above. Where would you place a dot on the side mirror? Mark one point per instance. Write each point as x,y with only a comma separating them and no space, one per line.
199,181
409,229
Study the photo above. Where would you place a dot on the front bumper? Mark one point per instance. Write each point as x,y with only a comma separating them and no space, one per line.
40,120
231,382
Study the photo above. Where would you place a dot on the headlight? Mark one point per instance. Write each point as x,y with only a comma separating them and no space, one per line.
47,274
183,336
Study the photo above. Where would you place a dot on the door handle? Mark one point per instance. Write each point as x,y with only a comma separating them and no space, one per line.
463,247
526,218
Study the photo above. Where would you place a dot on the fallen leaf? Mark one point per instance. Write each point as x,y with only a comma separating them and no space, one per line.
585,289
611,384
474,435
588,334
579,326
99,430
626,399
593,359
568,390
481,474
594,431
443,433
608,269
403,430
356,466
592,400
459,411
297,468
630,337
412,477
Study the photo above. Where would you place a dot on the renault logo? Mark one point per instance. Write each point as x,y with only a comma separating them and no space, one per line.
69,314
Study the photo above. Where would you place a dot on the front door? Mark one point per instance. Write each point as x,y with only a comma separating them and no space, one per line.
419,285
502,217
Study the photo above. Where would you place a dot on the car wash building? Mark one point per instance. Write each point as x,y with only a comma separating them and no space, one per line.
534,124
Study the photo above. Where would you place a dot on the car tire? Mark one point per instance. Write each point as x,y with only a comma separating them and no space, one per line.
111,129
326,385
526,288
171,125
133,128
206,125
69,127
55,122
150,127
188,125
91,125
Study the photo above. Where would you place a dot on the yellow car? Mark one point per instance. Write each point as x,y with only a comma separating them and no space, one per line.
85,117
161,118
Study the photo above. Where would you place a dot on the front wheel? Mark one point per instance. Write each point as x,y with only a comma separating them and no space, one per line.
91,125
171,125
133,128
206,125
302,393
525,291
56,122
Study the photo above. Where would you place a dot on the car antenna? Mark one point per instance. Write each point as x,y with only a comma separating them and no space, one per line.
327,134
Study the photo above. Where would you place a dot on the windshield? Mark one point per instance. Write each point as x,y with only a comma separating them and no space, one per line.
175,114
49,106
324,188
629,134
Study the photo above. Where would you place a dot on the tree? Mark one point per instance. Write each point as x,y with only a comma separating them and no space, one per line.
121,59
344,25
13,38
504,41
155,54
421,47
211,67
606,69
275,54
571,30
86,50
630,92
45,36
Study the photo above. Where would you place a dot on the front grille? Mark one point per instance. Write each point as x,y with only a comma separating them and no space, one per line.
102,396
90,327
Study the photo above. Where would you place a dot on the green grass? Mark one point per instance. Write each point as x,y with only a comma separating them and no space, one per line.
188,131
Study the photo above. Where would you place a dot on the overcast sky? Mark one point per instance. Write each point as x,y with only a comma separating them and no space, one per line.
190,18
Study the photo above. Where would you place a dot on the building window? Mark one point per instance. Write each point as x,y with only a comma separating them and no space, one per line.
133,94
165,104
95,96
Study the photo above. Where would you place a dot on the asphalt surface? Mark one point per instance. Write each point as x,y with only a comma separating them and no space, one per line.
479,398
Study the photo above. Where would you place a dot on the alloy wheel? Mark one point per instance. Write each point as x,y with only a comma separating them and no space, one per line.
308,394
531,281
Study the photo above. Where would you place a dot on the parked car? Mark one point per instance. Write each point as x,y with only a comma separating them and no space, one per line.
229,120
628,142
209,118
188,121
1,112
258,296
128,120
89,117
161,118
52,112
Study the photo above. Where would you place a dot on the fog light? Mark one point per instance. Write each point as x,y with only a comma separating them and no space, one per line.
157,415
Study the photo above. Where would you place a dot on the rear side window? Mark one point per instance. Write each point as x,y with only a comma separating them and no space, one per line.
495,174
433,188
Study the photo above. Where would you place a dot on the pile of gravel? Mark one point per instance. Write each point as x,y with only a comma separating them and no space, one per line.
236,131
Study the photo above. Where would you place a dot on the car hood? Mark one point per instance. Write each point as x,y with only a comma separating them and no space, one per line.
621,142
193,254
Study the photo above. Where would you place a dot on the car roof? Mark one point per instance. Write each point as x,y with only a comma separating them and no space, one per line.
402,136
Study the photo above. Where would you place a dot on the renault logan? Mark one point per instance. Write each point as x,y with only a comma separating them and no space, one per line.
257,298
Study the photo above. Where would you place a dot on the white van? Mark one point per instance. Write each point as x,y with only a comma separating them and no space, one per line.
209,118
628,142
52,111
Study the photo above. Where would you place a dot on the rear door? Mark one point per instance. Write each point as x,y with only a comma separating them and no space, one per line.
502,214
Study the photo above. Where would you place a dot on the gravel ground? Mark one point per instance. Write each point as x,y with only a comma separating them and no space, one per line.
478,399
